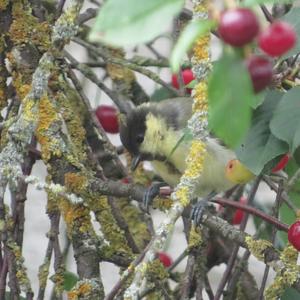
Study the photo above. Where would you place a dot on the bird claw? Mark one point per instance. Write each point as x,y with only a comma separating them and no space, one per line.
199,208
150,194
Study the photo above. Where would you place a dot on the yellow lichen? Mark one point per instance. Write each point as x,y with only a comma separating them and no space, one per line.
201,50
183,195
117,72
156,271
81,290
22,84
29,113
3,4
195,238
26,28
203,6
43,273
200,97
77,217
195,159
47,117
162,203
285,277
289,255
75,182
109,228
134,219
71,108
59,278
257,247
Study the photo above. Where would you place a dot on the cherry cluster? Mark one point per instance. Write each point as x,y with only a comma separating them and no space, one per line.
240,26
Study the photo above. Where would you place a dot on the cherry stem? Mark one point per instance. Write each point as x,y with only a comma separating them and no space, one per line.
167,191
252,211
267,14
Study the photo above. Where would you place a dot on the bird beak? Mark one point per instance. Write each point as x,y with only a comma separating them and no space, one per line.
135,162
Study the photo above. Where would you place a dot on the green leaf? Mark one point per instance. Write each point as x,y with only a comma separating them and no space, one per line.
285,124
161,94
192,84
230,98
290,294
260,145
70,280
190,34
131,22
292,17
256,2
186,137
259,98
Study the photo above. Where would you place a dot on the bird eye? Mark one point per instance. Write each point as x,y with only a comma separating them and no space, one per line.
139,139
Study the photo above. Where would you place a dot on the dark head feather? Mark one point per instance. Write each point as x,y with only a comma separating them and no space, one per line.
132,129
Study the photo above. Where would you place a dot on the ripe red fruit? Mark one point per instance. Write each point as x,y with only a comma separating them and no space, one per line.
277,39
239,214
125,180
238,26
294,235
260,69
165,259
187,76
282,163
108,118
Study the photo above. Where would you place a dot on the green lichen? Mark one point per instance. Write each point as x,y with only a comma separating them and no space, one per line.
156,271
289,256
71,107
133,217
43,273
87,289
258,247
75,182
286,277
26,28
21,271
47,129
195,238
111,231
58,278
77,217
22,83
163,204
3,4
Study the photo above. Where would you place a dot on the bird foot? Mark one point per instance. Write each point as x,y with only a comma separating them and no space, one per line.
199,208
150,194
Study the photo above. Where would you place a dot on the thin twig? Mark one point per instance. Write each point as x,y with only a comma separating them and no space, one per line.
267,14
275,213
120,284
102,53
235,249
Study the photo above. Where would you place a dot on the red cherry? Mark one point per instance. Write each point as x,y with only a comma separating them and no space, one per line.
261,72
282,163
277,39
165,259
108,118
125,180
239,214
187,76
294,235
238,26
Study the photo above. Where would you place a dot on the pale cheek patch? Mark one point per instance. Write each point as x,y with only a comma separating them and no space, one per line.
154,135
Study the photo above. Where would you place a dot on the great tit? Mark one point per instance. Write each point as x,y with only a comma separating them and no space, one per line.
151,132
